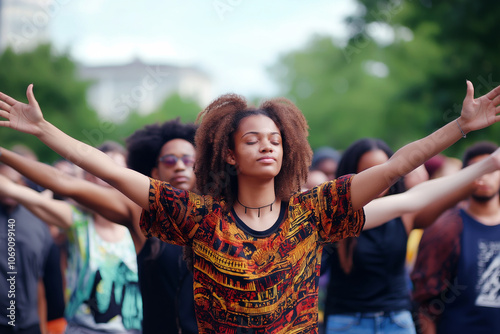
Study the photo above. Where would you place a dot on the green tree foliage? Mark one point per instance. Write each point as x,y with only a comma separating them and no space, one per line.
451,42
398,89
62,96
342,97
58,90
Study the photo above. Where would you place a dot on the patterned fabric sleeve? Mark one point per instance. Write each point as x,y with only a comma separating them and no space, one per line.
334,212
437,259
174,215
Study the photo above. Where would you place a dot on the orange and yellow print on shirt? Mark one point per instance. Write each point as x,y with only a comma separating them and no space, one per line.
244,280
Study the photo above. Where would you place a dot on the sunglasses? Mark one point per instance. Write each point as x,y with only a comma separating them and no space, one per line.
170,160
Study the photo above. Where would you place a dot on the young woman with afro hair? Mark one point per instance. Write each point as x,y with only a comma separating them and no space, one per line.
257,240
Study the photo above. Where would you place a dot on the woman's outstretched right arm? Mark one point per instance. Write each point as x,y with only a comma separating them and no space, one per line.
106,201
28,118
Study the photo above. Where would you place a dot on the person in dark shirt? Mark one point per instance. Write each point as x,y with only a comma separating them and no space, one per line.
101,276
368,286
255,268
163,151
25,243
458,263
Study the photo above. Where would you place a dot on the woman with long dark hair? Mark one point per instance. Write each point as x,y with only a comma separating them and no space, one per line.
367,274
165,152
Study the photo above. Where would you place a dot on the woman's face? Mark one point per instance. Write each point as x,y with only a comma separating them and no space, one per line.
175,164
370,159
258,148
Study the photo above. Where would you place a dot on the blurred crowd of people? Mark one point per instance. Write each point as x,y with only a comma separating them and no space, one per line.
428,253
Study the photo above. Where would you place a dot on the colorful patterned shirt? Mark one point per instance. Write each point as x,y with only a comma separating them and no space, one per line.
265,282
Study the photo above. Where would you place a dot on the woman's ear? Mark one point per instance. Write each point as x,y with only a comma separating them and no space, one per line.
230,158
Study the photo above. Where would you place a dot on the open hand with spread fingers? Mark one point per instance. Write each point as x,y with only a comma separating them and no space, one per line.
481,112
21,116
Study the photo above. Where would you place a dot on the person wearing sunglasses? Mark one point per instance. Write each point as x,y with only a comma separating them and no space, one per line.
257,241
165,152
177,168
161,151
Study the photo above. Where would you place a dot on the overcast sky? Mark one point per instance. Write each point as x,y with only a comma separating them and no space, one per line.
232,40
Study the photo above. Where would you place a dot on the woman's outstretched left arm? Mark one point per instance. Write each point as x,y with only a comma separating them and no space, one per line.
476,114
28,118
383,209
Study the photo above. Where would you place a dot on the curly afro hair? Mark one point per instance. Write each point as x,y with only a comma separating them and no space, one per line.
145,144
214,138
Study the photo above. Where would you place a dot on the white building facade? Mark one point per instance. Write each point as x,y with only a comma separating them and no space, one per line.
119,89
